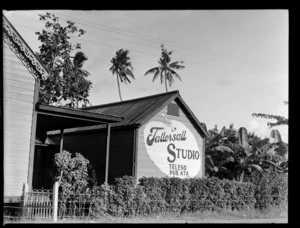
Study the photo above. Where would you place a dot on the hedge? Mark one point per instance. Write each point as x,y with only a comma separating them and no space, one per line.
157,195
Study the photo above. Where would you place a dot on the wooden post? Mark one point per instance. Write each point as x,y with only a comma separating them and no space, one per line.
203,158
61,140
107,153
33,135
24,197
135,154
55,201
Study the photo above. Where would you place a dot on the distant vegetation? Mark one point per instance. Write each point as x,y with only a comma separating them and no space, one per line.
280,120
236,154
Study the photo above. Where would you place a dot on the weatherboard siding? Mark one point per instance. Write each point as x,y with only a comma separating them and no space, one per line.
145,166
18,99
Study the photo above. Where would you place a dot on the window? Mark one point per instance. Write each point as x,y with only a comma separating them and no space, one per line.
173,109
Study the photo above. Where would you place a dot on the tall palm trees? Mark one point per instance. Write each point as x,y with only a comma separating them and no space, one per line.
121,66
166,69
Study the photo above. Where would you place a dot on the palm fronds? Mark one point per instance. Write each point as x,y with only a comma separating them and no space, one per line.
166,68
122,68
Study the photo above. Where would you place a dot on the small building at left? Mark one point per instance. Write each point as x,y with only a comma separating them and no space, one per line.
25,120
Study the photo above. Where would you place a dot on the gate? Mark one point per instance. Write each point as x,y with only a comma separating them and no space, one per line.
37,204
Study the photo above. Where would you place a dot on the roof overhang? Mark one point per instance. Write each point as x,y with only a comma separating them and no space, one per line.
191,116
55,118
23,51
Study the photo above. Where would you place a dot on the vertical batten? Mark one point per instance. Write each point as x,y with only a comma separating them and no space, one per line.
107,153
135,153
33,135
203,158
61,145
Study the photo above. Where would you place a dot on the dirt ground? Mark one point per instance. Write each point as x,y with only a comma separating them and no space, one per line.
270,221
176,221
206,220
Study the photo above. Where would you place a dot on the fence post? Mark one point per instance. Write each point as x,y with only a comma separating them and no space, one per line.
55,200
24,198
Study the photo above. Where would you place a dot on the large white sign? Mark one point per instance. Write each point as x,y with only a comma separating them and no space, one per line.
173,148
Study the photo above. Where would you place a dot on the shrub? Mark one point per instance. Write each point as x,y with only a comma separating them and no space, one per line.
100,198
124,198
125,195
271,191
194,194
213,194
168,194
162,195
75,176
155,194
199,194
176,192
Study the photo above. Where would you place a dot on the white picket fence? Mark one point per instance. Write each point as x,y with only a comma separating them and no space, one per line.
40,203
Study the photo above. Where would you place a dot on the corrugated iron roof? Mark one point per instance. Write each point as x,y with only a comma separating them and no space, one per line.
136,111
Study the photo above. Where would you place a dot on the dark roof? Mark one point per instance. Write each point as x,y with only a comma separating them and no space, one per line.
138,111
56,118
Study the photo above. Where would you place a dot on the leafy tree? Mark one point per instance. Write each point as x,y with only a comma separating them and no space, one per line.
233,154
280,147
280,120
122,68
67,81
166,69
75,176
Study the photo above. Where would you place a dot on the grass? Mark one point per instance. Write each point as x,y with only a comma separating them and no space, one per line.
195,217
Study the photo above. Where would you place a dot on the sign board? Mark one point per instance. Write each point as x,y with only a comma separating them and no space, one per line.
173,148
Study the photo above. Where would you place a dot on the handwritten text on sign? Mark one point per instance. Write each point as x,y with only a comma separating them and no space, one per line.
173,149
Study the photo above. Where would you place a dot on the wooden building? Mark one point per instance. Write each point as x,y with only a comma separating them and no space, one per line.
150,136
158,136
25,121
21,69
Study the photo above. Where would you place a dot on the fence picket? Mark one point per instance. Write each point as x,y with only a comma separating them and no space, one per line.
37,204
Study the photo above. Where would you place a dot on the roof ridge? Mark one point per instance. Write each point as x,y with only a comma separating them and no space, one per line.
131,100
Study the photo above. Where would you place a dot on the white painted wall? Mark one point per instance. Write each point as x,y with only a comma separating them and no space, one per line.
18,95
145,166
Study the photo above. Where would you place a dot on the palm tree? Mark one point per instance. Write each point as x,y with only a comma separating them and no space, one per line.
166,68
121,66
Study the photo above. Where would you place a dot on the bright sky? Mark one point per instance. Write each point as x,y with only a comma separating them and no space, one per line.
236,60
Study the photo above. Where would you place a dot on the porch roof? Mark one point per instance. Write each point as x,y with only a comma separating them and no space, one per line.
55,118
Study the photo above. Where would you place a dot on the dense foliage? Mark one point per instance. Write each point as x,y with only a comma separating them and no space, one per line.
152,195
75,176
234,154
67,81
162,195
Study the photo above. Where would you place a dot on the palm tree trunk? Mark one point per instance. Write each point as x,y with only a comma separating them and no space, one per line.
166,83
119,87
